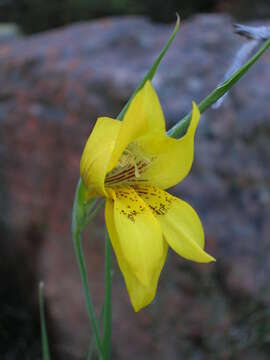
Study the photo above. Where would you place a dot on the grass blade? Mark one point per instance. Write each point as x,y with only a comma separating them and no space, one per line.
44,336
151,73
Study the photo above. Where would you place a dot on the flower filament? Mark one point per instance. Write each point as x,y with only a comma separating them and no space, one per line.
129,168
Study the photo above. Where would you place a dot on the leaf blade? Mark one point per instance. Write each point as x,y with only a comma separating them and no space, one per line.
44,336
179,128
152,71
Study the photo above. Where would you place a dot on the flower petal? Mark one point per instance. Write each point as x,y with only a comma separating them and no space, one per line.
171,158
180,223
97,153
139,233
143,115
140,295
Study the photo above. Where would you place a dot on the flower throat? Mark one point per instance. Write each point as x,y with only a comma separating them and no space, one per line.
129,168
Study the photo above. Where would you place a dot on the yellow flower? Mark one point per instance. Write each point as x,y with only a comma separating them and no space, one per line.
130,163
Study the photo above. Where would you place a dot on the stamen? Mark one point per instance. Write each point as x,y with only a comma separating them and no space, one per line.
125,174
137,174
129,168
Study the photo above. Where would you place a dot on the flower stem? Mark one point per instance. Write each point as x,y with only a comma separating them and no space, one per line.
92,343
108,300
87,294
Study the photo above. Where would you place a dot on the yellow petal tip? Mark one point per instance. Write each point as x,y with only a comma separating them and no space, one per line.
207,259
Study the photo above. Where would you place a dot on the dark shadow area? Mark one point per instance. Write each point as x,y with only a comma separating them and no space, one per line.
39,15
19,312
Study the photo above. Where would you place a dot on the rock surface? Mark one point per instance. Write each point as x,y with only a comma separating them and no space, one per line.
54,85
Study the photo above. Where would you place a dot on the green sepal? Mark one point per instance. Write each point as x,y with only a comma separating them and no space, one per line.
83,208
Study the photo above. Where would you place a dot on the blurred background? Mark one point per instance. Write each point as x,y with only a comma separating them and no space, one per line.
62,64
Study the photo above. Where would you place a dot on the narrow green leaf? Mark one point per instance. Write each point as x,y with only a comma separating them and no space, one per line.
179,129
151,73
44,337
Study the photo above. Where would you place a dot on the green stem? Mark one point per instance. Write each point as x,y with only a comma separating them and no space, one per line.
87,294
179,129
108,300
92,343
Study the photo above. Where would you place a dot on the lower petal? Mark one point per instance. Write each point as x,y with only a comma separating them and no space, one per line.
139,234
140,294
179,222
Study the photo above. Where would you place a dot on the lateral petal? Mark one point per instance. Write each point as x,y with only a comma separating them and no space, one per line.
171,158
144,115
97,153
140,295
180,224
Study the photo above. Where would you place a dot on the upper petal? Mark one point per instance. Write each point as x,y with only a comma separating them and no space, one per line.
139,234
171,158
97,153
180,223
140,295
144,115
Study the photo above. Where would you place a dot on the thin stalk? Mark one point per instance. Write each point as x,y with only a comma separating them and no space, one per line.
87,293
44,336
92,344
83,213
108,300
